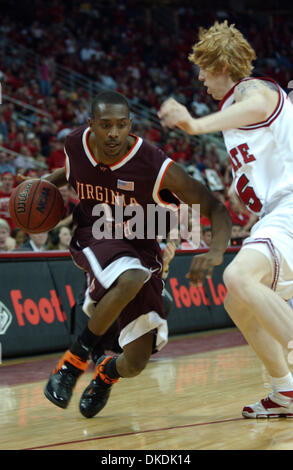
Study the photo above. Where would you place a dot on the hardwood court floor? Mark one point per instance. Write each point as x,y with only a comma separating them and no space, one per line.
189,397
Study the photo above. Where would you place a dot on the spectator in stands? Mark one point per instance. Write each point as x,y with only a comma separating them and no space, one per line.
206,237
60,238
69,115
41,159
3,126
170,145
5,164
82,113
45,78
212,157
19,236
12,130
151,133
7,181
199,106
147,73
7,243
56,157
18,143
190,231
33,143
237,235
35,242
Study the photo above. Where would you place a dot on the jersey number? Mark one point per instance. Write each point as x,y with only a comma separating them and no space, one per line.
248,195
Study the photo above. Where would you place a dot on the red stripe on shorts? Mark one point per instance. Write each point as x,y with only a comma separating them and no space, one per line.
271,247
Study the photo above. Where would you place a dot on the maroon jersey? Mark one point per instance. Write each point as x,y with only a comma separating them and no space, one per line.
134,181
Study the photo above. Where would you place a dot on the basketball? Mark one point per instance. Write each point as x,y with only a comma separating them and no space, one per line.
36,206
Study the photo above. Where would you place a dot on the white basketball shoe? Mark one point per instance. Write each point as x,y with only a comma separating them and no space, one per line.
276,405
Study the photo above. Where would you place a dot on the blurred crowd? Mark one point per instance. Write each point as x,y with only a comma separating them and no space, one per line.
138,50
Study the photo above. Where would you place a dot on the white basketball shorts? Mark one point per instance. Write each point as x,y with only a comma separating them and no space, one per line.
272,235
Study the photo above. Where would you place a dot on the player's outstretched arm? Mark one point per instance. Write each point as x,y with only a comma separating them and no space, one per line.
254,102
57,177
191,191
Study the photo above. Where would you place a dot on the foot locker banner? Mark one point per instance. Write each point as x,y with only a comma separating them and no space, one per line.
40,298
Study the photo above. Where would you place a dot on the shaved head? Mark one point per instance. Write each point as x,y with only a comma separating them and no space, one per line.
108,97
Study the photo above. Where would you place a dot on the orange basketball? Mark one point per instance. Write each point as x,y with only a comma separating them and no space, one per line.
36,206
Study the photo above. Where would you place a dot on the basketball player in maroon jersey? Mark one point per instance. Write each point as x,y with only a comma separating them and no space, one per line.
107,165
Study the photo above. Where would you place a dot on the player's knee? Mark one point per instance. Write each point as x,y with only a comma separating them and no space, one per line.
229,277
130,282
235,280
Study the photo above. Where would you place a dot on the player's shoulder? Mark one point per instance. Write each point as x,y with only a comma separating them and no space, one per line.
149,149
76,133
251,85
74,141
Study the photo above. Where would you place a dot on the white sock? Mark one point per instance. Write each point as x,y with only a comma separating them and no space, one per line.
282,384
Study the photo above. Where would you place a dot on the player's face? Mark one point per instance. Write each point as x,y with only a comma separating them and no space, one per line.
217,84
111,126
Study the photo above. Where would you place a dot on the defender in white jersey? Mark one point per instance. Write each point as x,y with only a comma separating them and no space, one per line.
256,118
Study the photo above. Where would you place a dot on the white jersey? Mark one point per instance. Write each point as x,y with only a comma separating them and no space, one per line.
262,155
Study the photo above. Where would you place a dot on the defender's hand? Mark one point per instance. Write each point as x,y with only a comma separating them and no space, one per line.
202,266
173,114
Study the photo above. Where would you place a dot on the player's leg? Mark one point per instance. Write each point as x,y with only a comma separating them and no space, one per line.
75,361
252,309
108,342
268,349
115,300
143,330
247,280
130,363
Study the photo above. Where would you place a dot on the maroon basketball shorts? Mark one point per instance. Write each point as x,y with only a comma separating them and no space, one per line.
104,261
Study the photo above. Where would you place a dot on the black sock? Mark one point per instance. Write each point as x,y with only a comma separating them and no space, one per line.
111,370
84,344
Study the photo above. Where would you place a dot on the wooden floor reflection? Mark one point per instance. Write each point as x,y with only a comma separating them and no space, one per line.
181,402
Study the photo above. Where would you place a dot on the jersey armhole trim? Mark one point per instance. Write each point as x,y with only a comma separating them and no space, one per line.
158,185
67,165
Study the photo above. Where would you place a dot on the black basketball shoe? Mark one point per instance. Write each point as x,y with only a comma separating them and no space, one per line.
96,394
63,379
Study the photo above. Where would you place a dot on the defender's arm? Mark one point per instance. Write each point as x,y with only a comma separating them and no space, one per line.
191,192
254,102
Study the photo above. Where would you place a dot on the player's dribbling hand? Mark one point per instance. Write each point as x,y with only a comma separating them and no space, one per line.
202,266
173,114
22,178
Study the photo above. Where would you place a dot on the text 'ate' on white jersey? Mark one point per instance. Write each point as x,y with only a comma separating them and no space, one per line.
261,155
